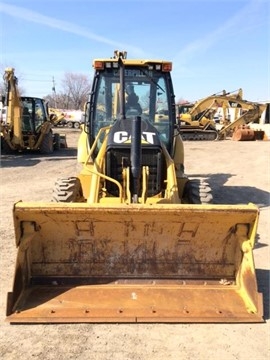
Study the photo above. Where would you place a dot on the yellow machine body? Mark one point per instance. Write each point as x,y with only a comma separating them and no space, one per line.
28,125
127,240
197,120
135,263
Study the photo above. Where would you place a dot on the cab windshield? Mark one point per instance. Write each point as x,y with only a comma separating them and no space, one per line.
33,115
146,94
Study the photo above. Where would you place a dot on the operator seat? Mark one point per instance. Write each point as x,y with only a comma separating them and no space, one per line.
133,105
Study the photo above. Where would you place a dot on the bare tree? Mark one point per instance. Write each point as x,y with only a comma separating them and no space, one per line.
58,100
182,100
76,88
72,95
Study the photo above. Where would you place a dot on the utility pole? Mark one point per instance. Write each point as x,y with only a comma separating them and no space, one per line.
54,92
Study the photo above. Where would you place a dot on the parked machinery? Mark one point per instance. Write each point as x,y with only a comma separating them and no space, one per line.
27,125
259,129
197,120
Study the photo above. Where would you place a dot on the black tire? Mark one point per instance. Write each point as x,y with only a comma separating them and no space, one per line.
46,146
5,149
197,191
56,143
68,190
70,124
77,125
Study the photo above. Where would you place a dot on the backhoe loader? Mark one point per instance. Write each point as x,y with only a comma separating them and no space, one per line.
131,238
28,125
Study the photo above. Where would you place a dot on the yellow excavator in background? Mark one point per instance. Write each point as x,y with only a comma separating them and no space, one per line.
261,127
57,116
27,125
197,120
131,238
239,129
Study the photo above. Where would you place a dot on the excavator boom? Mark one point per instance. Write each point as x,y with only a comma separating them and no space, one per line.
197,121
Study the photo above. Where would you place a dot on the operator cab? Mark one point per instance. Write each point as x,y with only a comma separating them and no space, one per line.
135,99
143,88
34,114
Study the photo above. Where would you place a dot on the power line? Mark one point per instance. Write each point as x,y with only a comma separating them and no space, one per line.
31,80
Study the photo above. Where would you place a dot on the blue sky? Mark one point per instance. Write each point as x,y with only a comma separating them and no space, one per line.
213,44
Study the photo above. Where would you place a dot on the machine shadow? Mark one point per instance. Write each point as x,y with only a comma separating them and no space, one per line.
233,195
27,159
263,279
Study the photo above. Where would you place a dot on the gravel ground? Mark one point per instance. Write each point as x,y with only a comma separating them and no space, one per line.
238,172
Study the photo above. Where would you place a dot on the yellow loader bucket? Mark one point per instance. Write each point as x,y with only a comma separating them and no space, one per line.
134,263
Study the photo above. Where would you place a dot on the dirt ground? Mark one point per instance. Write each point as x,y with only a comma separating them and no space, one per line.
238,172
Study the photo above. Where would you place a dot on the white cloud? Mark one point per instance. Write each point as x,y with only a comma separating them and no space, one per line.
240,22
35,17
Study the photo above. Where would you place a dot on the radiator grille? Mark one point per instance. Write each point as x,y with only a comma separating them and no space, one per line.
153,158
